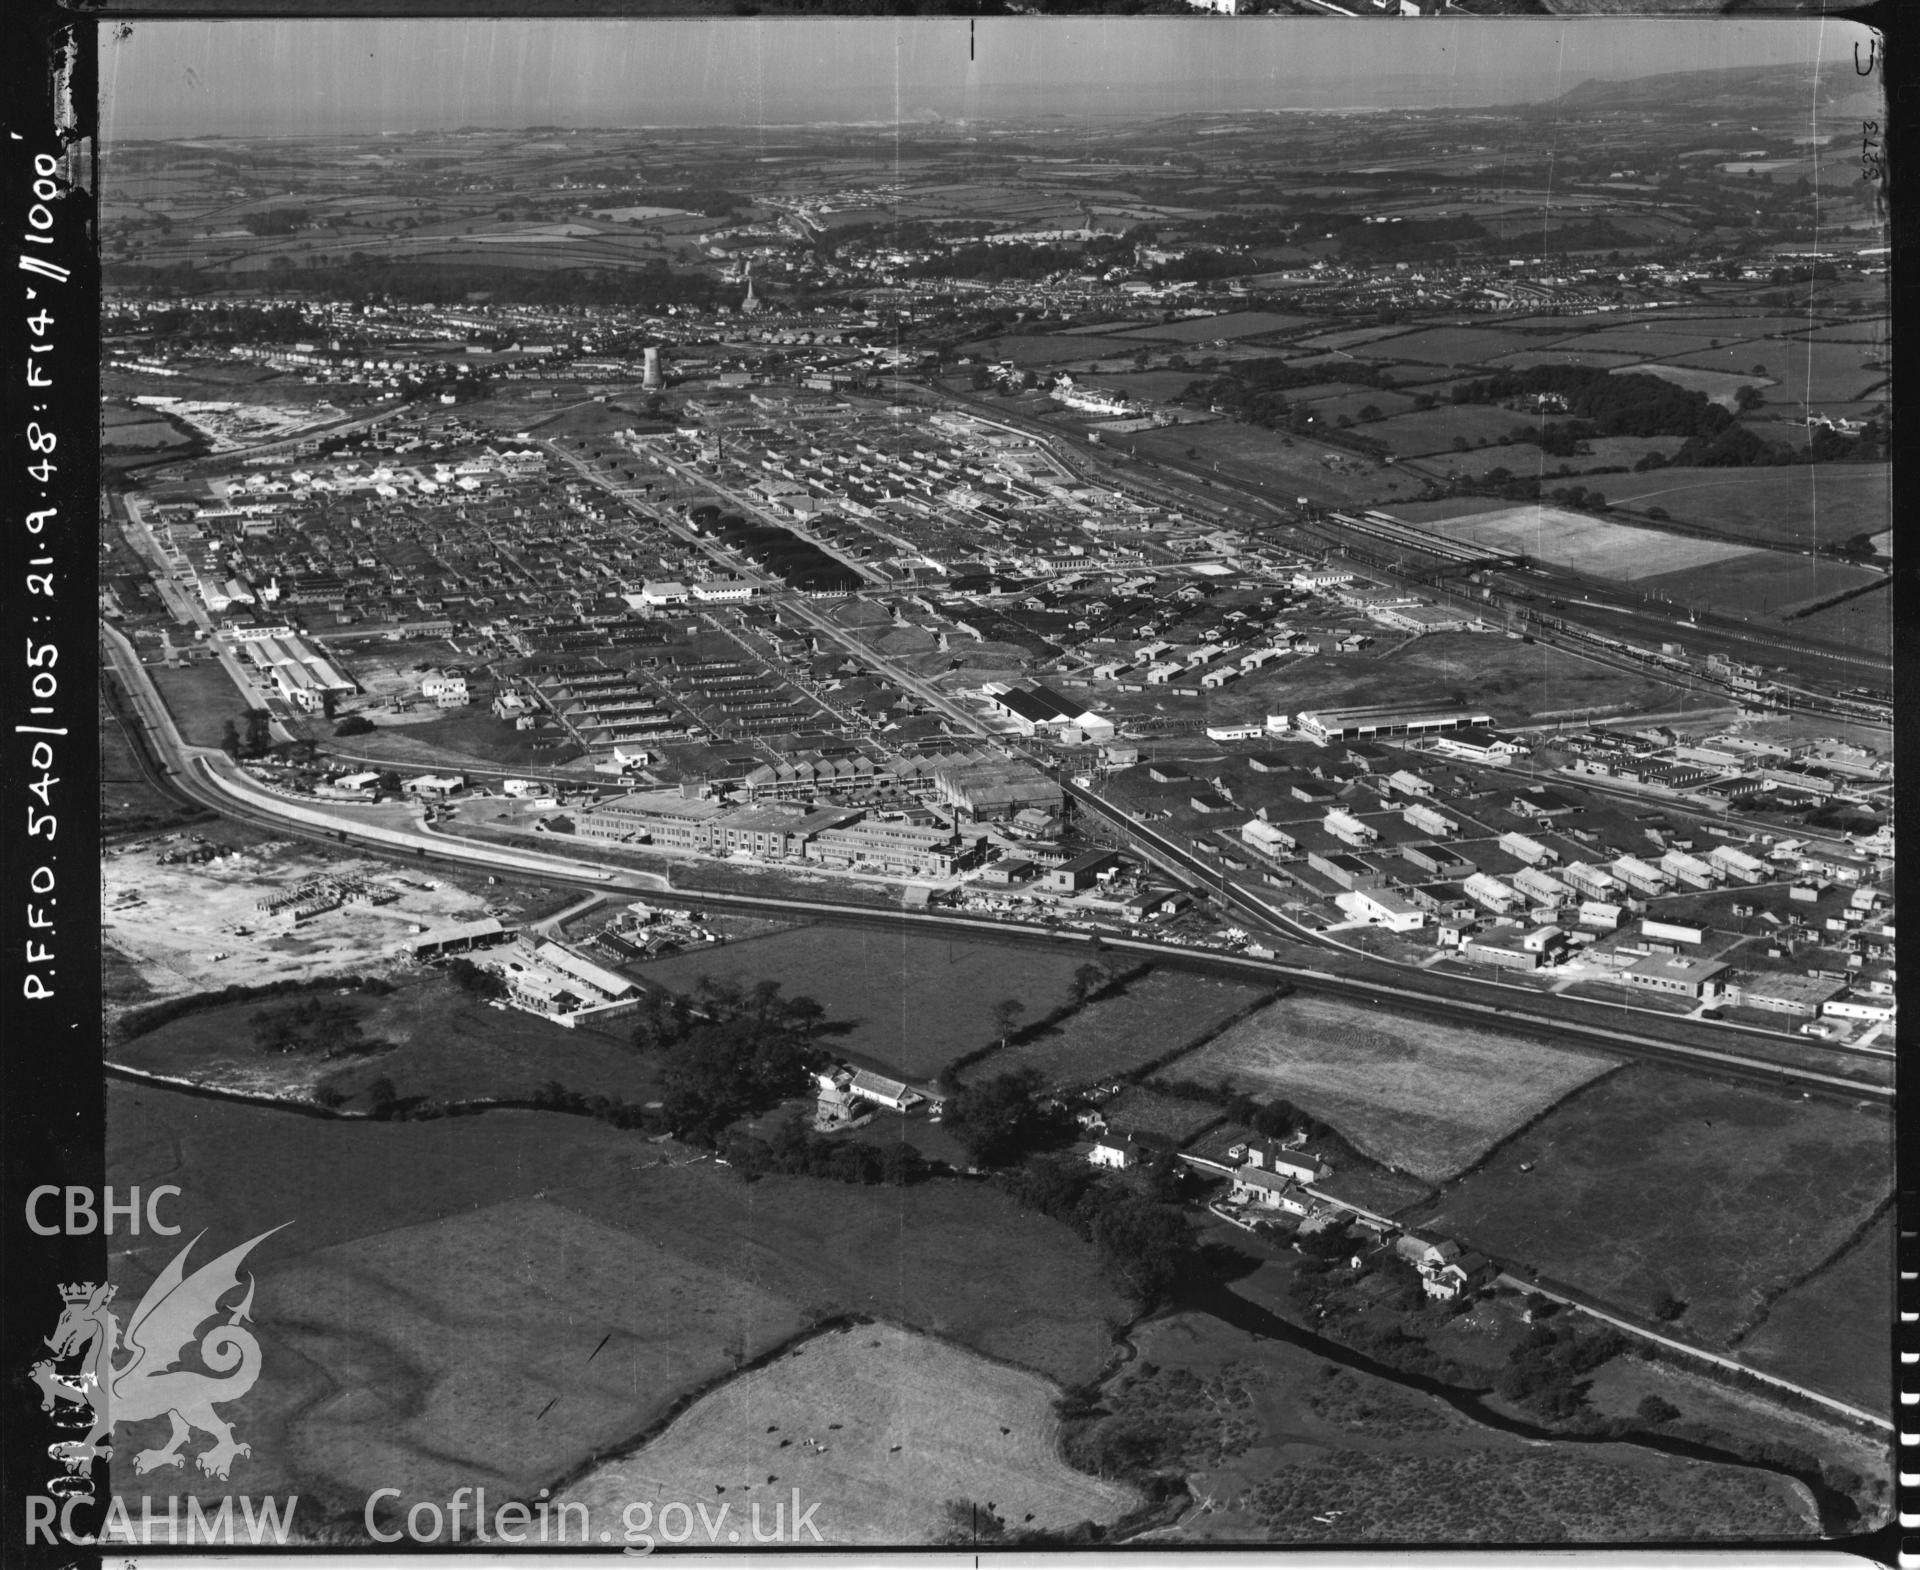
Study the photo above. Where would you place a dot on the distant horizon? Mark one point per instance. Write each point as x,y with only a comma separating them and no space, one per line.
185,81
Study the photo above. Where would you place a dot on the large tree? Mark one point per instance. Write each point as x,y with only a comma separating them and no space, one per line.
999,1120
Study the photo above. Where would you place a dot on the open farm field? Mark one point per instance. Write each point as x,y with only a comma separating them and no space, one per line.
148,435
1349,337
882,1426
1657,1181
1863,623
1517,679
446,1048
1255,456
1425,1097
1155,1015
1834,1330
1435,378
1330,402
1156,386
1587,544
1052,349
1139,1110
469,733
1294,1449
432,1309
1761,583
1606,451
201,697
1235,324
502,1347
1793,504
906,1003
1874,330
1729,327
1569,354
1448,346
1436,430
1809,374
1647,340
948,1257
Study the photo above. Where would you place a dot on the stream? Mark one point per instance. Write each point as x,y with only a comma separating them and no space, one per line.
1836,1509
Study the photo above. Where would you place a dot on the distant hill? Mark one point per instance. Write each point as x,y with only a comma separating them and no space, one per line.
1728,89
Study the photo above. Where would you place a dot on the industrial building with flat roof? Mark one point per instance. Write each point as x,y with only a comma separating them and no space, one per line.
1389,719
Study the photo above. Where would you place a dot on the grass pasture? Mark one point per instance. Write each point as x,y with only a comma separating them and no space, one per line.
904,1002
442,1282
1435,430
1570,354
1647,340
1792,505
1659,1181
1863,623
900,1424
1249,454
509,1343
1235,324
1874,330
948,1257
1138,1110
1813,374
1761,583
1425,1097
1027,349
201,697
1349,337
1153,1016
448,1048
1834,1330
1448,346
469,733
1584,543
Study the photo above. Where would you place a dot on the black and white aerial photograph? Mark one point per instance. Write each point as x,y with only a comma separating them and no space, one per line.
1008,784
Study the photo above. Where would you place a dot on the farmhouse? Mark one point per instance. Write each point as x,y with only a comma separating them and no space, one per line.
1267,1155
1270,1191
1467,1272
893,1094
1118,1152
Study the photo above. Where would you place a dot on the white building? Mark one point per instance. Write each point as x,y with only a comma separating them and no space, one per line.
445,688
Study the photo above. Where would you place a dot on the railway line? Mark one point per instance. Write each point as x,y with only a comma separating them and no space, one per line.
214,782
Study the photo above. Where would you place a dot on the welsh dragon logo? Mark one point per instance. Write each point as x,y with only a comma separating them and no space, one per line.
150,1383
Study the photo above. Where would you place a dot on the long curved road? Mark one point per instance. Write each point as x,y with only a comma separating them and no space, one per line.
211,779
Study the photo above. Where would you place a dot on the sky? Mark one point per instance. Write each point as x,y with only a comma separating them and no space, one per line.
319,76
